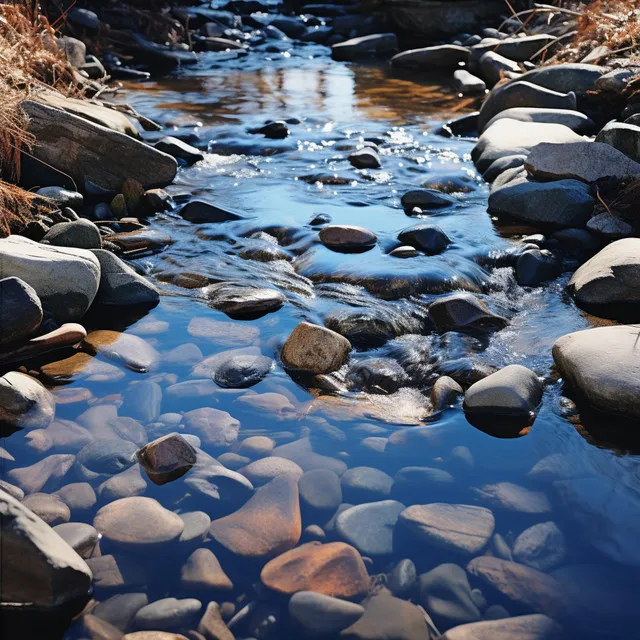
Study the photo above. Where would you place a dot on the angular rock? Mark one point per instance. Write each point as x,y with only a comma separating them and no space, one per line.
623,137
312,348
446,56
179,149
464,312
166,459
368,46
321,615
20,311
459,528
24,402
345,237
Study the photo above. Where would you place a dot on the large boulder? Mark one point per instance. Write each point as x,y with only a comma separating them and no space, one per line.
602,365
20,311
98,159
24,402
38,567
66,280
608,285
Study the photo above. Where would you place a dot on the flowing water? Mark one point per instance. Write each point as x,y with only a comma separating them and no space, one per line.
279,187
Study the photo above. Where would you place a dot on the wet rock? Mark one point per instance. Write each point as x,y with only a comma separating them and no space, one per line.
101,159
137,523
186,355
402,579
574,120
404,252
43,473
446,56
223,486
522,94
445,392
320,494
623,137
560,204
365,484
82,234
388,617
166,459
609,227
369,527
312,348
24,402
541,546
62,197
242,371
466,83
536,266
196,525
81,537
266,469
493,67
212,626
377,375
142,401
119,610
120,284
39,568
50,508
607,284
78,496
369,46
347,238
277,130
366,158
128,350
586,161
276,405
513,497
529,627
459,528
179,149
446,594
155,635
240,301
334,569
582,78
302,453
127,484
167,614
520,584
425,199
600,365
320,615
464,312
616,80
202,570
428,238
412,484
256,446
514,48
141,240
267,525
225,333
116,572
12,490
107,456
199,211
66,287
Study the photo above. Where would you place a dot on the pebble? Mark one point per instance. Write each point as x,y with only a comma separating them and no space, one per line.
347,238
167,458
214,427
127,484
315,349
196,525
425,237
256,446
243,302
242,371
404,251
320,495
49,507
82,234
167,614
202,570
264,470
403,578
321,615
80,536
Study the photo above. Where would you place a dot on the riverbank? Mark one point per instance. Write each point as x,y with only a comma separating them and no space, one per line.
306,383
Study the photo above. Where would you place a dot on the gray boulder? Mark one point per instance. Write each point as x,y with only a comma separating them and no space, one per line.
24,402
82,234
120,285
444,56
581,78
466,83
66,280
20,311
622,136
518,49
464,312
39,568
376,44
493,67
575,120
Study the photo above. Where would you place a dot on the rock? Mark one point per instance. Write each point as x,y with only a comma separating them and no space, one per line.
493,67
315,349
73,50
20,311
225,487
586,161
446,594
514,48
445,393
428,238
369,527
216,428
402,578
425,199
78,496
574,120
142,401
541,546
127,484
347,238
101,159
179,149
522,94
520,584
609,227
302,453
35,477
39,569
623,137
464,312
116,572
196,525
119,610
536,266
66,287
366,158
123,348
412,484
369,46
62,197
202,570
404,252
110,456
167,614
120,285
244,302
365,484
155,635
582,78
600,365
137,523
242,371
529,627
266,469
199,211
24,402
320,494
607,284
334,569
459,528
81,537
82,234
446,56
277,130
512,497
50,508
166,459
386,617
560,204
267,525
466,83
377,375
256,446
502,164
321,615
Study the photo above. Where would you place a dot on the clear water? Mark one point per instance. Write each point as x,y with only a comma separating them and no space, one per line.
594,489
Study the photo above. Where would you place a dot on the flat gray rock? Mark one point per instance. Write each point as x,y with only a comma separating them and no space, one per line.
365,484
445,56
493,66
467,84
579,77
517,49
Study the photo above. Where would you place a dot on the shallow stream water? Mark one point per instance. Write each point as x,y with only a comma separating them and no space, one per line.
280,186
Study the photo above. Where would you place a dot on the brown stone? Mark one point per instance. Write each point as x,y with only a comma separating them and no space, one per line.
334,569
48,507
128,350
214,427
315,349
33,478
267,525
212,626
98,629
167,458
116,572
202,570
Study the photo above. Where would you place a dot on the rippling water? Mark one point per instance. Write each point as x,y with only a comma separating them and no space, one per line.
280,186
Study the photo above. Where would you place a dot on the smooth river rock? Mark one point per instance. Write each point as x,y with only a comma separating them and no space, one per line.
20,311
346,238
315,349
24,402
321,615
530,627
167,458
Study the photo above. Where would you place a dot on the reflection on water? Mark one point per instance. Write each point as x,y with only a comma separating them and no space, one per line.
592,494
